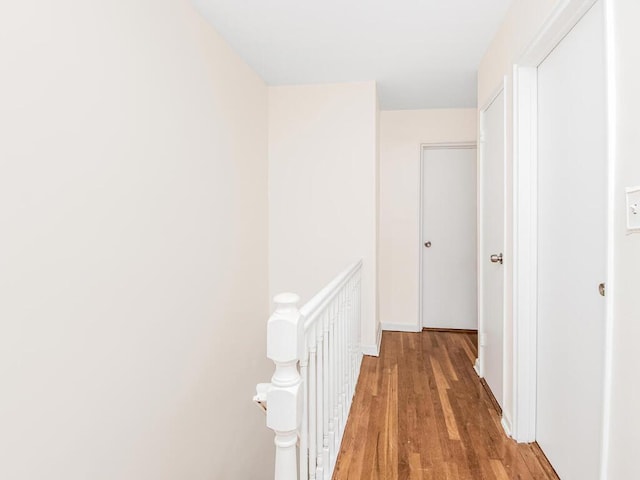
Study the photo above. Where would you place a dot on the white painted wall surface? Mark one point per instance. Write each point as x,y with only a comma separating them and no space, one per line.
624,431
133,253
322,189
401,134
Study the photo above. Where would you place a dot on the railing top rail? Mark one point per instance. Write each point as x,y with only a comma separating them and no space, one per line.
314,307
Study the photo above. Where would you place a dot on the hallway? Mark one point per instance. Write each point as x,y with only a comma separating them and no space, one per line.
420,412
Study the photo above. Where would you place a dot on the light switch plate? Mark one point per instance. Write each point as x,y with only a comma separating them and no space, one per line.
633,210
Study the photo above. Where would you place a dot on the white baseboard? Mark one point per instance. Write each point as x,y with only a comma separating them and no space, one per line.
476,367
370,350
373,350
398,327
506,425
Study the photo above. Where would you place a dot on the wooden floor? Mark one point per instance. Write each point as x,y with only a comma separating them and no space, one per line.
420,412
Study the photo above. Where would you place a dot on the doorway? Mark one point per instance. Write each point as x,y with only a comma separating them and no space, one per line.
448,239
572,249
562,250
492,259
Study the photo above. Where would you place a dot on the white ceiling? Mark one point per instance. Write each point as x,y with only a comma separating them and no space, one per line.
422,53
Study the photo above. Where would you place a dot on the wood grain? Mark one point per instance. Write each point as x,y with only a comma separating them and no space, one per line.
420,412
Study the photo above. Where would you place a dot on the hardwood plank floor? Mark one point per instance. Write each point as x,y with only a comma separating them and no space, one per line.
421,413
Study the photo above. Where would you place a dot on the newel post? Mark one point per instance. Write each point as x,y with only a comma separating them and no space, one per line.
284,399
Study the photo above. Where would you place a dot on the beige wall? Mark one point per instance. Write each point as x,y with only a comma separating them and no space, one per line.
401,134
520,25
625,292
322,189
133,278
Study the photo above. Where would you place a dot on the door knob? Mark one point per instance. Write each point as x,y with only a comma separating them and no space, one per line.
427,244
497,258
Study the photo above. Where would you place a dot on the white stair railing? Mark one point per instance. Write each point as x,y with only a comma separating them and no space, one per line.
317,353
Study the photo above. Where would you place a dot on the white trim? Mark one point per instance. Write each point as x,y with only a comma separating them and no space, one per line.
476,367
496,93
423,147
562,20
564,16
374,350
525,252
506,425
398,327
508,251
371,350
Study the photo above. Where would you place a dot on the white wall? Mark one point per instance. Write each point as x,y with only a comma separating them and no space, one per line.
322,189
625,293
133,253
401,134
520,25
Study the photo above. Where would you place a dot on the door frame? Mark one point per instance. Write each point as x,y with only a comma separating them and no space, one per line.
423,147
480,366
564,17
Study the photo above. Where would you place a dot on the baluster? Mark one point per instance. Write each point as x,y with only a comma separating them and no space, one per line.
343,397
332,385
349,346
352,339
347,330
359,322
284,339
321,403
335,383
312,402
303,459
338,403
356,330
344,376
325,400
345,356
355,345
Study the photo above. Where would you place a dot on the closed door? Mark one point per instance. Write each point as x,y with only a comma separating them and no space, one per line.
572,219
492,247
449,294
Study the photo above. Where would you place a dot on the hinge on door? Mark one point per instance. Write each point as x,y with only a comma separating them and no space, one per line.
602,288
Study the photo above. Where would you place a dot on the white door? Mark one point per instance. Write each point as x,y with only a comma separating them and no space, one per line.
492,244
572,203
449,293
